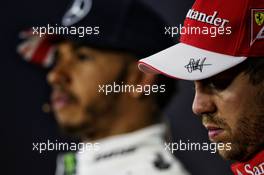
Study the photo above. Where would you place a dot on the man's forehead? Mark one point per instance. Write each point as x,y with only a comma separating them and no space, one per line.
78,49
69,46
75,45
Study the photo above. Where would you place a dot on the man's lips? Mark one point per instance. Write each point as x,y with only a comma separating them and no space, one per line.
213,131
60,100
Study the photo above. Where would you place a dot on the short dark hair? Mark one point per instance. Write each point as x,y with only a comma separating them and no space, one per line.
254,67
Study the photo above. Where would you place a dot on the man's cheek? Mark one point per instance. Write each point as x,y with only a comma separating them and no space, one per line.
230,100
230,122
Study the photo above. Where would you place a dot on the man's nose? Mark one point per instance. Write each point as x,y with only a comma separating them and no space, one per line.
203,101
58,75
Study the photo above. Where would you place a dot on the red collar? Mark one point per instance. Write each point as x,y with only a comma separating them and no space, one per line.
254,166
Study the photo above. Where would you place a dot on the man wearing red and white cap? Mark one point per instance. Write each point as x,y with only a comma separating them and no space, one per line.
228,73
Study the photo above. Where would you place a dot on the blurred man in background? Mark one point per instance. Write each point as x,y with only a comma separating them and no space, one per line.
99,96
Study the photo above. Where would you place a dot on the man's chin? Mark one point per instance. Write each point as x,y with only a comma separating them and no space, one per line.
72,131
226,155
69,119
236,153
76,130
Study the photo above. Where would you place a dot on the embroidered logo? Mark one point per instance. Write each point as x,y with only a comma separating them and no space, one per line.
257,25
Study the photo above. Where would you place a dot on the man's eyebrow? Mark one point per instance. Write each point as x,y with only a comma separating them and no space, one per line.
77,46
228,76
230,73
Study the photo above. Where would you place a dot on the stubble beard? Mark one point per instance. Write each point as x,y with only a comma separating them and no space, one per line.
247,138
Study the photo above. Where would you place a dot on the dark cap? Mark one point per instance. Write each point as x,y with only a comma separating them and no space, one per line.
128,25
125,25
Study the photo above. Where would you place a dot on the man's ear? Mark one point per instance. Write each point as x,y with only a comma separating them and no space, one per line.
138,79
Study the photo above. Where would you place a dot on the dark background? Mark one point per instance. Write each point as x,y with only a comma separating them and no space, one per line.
24,91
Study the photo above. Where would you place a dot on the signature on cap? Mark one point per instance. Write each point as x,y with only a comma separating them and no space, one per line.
194,65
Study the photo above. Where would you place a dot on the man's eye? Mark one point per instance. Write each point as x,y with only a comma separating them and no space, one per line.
83,57
219,84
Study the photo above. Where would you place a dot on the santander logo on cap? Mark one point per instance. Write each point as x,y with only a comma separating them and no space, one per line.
245,18
240,27
209,19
